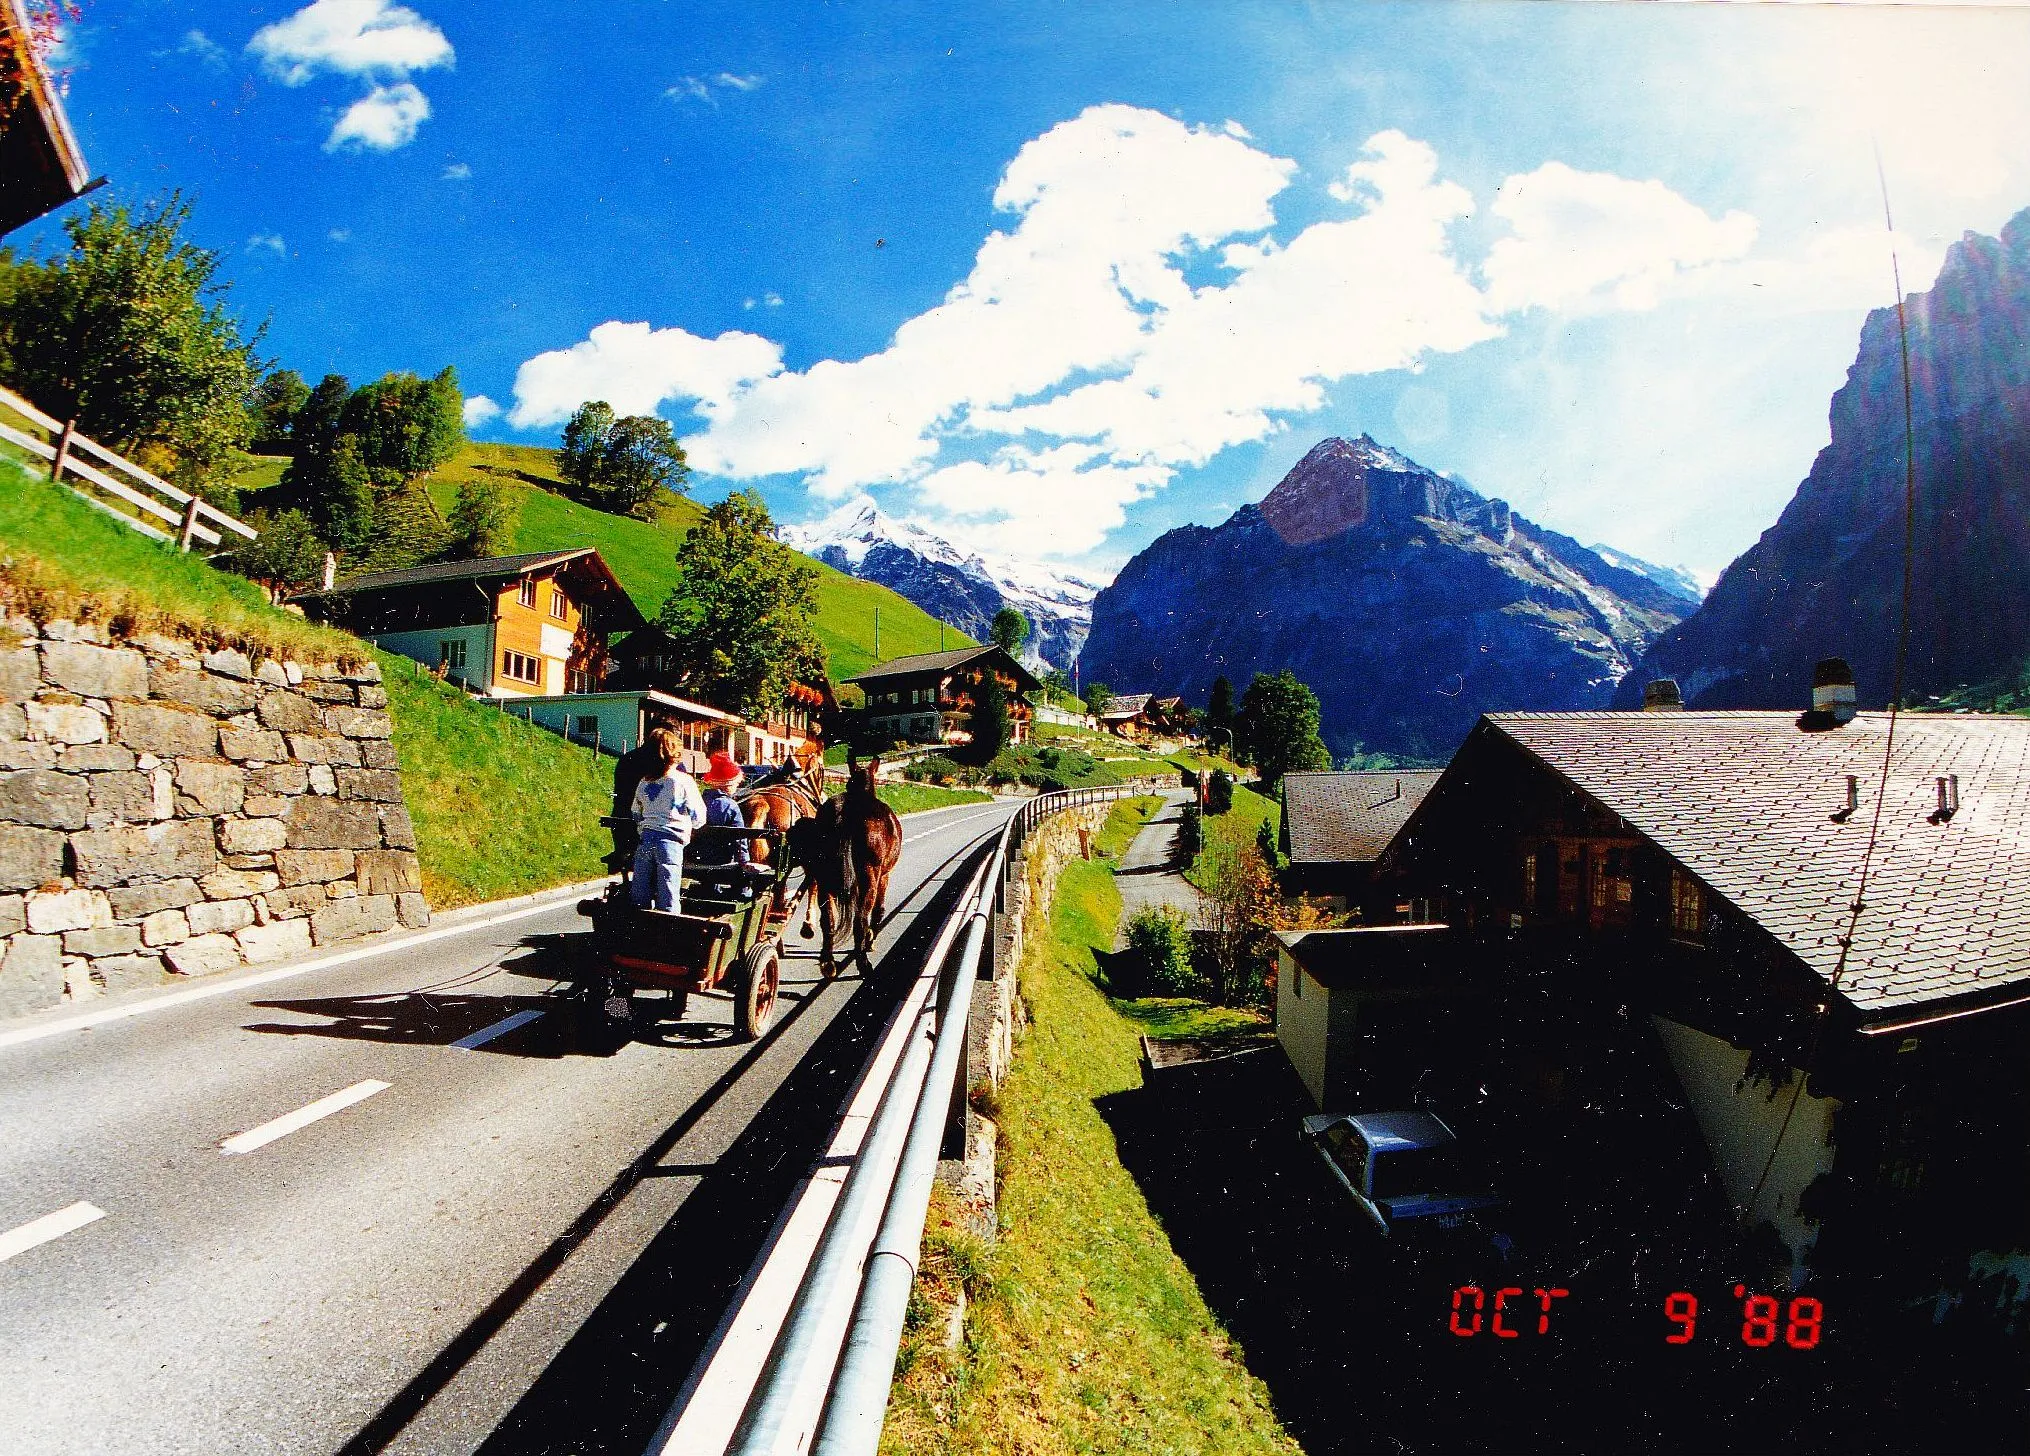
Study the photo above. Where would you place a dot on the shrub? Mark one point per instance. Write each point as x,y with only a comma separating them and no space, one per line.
1219,795
1190,834
1160,940
937,768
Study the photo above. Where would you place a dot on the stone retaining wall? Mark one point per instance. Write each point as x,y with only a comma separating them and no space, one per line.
167,811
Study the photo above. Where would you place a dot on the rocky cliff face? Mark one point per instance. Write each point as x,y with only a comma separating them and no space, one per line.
1826,579
1409,602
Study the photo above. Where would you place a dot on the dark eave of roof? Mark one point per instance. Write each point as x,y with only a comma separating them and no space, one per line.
41,165
943,662
483,570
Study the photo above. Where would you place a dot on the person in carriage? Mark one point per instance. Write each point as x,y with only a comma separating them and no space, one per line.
667,807
721,779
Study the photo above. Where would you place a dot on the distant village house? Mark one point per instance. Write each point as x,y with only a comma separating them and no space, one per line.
928,697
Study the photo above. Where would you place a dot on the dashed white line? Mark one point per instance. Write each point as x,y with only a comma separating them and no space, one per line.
949,825
49,1226
302,1117
500,1028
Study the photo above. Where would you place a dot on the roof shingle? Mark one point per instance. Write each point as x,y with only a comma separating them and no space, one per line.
1349,818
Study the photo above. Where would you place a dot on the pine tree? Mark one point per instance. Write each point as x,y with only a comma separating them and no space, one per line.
989,718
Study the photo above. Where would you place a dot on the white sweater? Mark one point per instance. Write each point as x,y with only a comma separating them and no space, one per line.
670,805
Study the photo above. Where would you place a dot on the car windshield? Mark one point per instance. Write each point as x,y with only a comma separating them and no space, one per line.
1418,1170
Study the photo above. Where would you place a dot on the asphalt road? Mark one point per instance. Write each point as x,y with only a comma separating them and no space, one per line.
502,1243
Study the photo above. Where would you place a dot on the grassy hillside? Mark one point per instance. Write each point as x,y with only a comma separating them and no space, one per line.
642,555
500,807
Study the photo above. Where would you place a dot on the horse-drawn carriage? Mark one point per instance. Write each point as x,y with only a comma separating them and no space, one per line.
728,937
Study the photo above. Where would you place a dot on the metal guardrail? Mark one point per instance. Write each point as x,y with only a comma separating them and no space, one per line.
824,1385
194,518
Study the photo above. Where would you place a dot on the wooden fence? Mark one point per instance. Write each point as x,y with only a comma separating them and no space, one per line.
188,518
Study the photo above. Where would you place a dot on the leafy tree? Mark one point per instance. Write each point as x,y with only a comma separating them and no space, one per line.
288,555
989,718
313,428
1219,710
344,507
639,460
1277,727
128,333
482,519
1159,939
1009,630
406,425
1097,696
743,615
273,407
585,443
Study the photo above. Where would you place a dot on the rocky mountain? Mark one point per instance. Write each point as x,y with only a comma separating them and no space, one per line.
961,588
1826,579
1673,579
1408,601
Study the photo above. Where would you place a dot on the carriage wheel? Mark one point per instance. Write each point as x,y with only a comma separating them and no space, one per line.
754,994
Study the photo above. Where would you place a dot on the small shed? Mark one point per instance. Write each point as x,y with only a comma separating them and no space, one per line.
1336,825
1349,1004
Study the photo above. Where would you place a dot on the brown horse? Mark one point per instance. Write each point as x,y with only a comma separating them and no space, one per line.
847,850
781,798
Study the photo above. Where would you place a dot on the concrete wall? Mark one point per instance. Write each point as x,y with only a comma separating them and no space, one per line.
168,812
423,647
1739,1119
1303,1019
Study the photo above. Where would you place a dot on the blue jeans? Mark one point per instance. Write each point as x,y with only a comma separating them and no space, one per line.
658,862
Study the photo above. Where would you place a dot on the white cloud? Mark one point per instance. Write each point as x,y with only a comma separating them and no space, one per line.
635,369
350,37
707,88
479,410
269,243
1076,368
340,235
385,118
200,48
458,172
738,83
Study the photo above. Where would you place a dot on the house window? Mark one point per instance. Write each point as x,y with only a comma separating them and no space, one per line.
1529,897
1611,887
560,605
577,680
520,667
526,593
1688,906
588,725
451,652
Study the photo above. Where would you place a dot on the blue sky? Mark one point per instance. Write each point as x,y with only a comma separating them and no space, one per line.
1055,278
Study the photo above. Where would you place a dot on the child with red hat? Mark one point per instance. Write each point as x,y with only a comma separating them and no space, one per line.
721,777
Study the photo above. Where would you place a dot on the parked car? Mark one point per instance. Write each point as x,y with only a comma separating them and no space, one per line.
1406,1170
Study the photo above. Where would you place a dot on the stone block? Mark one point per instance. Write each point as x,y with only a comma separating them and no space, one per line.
229,662
31,974
256,743
193,687
294,903
317,748
44,798
132,902
313,866
382,786
373,695
13,914
248,861
389,872
333,824
265,806
397,828
202,955
13,722
64,722
74,632
180,849
329,692
124,973
275,941
27,755
294,672
342,889
345,919
290,711
322,779
271,672
207,917
96,672
21,674
164,781
129,796
98,758
159,644
378,753
161,728
360,722
51,911
209,787
165,927
252,836
279,778
412,910
106,940
238,884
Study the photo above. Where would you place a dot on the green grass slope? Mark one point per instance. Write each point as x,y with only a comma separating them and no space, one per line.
500,807
643,555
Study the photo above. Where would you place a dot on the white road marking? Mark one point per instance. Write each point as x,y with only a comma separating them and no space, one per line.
949,825
302,1117
49,1226
500,1028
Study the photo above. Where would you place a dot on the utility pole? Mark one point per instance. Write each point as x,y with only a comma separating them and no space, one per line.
877,632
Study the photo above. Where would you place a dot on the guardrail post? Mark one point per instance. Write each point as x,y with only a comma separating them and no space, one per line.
62,456
189,527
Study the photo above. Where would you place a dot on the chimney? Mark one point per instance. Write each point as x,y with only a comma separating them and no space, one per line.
1832,690
330,571
1662,696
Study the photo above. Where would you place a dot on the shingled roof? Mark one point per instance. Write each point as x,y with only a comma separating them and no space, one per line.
1124,705
943,662
479,569
1349,818
1745,801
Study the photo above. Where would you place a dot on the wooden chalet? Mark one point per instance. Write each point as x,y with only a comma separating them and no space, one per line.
1127,714
526,626
928,698
1335,827
645,661
1591,899
41,166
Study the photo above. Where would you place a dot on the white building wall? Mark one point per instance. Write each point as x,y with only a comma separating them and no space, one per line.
618,715
1303,1018
1739,1120
423,646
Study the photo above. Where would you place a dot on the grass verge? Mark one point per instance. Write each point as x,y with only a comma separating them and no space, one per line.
1086,1332
913,798
1229,833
